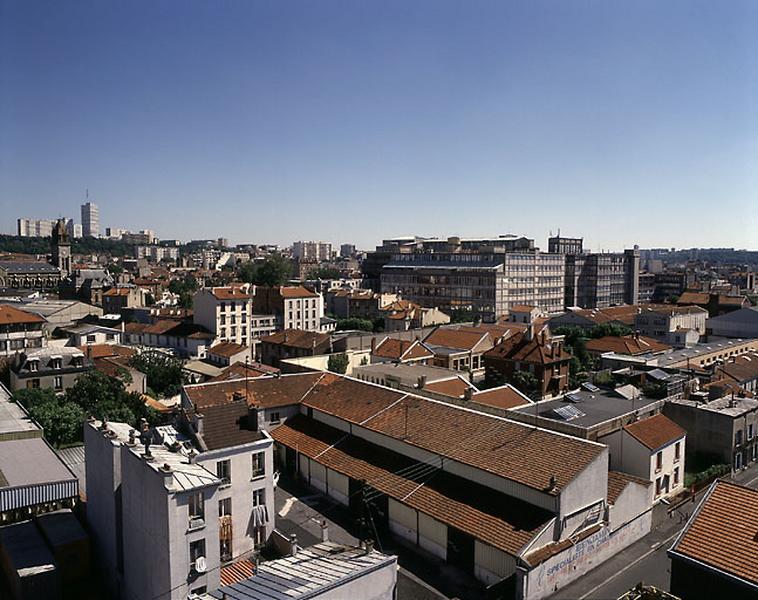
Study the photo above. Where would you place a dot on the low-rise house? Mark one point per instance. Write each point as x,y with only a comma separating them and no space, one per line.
91,334
188,340
228,353
123,296
715,303
716,554
361,304
632,345
460,349
742,370
114,361
57,368
403,315
401,351
679,326
293,343
425,380
653,449
542,355
721,429
19,330
61,313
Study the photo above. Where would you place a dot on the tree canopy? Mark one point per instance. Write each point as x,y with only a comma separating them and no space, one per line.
164,373
324,273
185,289
338,363
355,323
275,270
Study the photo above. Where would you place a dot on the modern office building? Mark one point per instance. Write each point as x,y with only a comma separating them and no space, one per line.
486,276
90,220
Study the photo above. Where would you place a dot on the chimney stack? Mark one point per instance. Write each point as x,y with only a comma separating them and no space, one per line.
421,382
468,393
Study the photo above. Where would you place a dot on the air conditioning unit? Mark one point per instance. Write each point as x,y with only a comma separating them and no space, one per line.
200,564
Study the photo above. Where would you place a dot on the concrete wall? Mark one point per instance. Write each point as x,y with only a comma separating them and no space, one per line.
320,362
632,503
586,490
432,536
492,565
567,566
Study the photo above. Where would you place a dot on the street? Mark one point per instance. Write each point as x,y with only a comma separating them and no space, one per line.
645,560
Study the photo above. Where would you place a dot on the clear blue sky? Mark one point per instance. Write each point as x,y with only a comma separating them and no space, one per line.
623,122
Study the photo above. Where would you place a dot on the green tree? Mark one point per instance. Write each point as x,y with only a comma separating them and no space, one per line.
60,419
275,270
612,329
461,315
355,323
324,273
185,289
164,373
525,382
338,363
102,396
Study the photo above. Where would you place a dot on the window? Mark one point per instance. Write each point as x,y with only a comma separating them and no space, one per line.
196,550
738,460
738,438
225,507
58,382
91,339
224,471
275,418
33,365
32,384
658,487
110,337
677,451
676,476
223,306
259,465
658,461
196,510
750,431
259,497
259,535
56,363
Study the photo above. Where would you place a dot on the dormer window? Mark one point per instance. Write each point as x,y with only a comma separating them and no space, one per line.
56,363
34,365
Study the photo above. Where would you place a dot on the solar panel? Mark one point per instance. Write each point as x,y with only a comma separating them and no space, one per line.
573,397
567,413
590,387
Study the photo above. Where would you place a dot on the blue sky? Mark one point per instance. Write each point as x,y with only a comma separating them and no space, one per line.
622,122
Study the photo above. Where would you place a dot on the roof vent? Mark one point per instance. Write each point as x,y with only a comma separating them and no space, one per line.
166,468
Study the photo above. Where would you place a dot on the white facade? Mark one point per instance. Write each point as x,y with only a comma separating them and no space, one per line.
312,251
225,315
90,220
303,312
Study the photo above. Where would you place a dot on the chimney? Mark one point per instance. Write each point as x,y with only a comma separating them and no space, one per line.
369,547
468,393
324,531
293,545
199,423
373,344
421,382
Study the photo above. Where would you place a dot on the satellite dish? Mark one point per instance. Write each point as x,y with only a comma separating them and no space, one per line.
200,565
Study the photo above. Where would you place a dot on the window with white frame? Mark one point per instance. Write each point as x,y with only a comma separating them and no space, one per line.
196,510
259,497
259,464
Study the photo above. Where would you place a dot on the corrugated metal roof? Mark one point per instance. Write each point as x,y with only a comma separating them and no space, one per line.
310,573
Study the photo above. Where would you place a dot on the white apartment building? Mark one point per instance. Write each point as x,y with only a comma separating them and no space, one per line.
675,325
166,515
90,220
312,251
225,312
301,309
652,449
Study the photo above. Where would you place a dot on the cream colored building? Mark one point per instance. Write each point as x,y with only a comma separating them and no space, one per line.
225,312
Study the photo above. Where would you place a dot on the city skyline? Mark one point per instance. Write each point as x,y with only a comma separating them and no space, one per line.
350,123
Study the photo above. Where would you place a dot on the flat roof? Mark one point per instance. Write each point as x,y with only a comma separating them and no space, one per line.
29,462
727,405
13,418
703,348
593,407
311,572
407,373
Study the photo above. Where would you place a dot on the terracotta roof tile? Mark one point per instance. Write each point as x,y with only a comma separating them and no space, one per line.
628,344
504,522
511,450
723,532
296,338
240,370
505,396
227,349
297,291
454,387
655,432
12,315
456,338
263,391
230,293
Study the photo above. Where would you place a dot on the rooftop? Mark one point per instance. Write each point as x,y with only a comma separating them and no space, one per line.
296,338
227,349
655,432
584,408
505,396
12,315
723,532
27,267
679,357
30,462
312,571
13,418
728,405
628,344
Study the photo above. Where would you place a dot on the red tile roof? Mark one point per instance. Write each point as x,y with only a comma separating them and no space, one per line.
297,338
628,344
401,349
504,522
266,392
454,387
655,432
457,338
12,315
107,350
511,450
240,370
505,396
723,531
297,291
227,349
539,350
230,293
618,481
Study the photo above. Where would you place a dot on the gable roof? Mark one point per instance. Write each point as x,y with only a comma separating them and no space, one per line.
229,293
296,338
454,387
456,338
401,349
540,350
505,396
296,291
742,368
11,315
655,432
266,392
505,448
617,482
240,370
628,344
723,531
226,349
